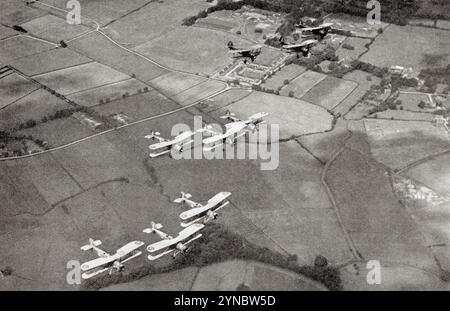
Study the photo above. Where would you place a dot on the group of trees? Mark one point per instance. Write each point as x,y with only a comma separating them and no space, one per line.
217,245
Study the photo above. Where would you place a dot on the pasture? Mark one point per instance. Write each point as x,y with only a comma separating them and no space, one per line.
416,47
329,92
294,117
302,84
399,143
191,49
14,87
79,78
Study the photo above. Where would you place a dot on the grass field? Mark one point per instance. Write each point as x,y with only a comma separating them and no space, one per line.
191,49
363,85
99,48
34,106
199,92
111,92
6,32
14,12
434,173
368,206
20,46
154,20
295,117
53,28
139,106
303,83
14,87
329,92
288,72
47,61
59,132
101,11
398,143
416,47
411,101
224,99
174,83
79,78
359,48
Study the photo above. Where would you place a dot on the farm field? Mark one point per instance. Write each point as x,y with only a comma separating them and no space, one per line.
138,106
411,101
82,77
216,23
405,115
58,132
6,32
257,276
102,50
288,72
174,83
363,85
98,10
224,99
178,280
395,278
34,106
368,206
111,92
329,92
295,117
323,145
302,84
153,20
359,47
399,143
53,28
416,47
47,61
21,46
198,92
434,173
13,87
191,49
14,12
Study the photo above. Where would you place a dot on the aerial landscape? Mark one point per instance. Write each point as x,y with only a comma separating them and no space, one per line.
190,145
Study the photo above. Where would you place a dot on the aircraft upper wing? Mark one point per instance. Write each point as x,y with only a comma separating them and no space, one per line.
162,244
191,230
218,198
128,248
174,141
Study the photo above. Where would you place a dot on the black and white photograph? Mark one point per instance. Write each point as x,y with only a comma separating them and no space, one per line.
249,146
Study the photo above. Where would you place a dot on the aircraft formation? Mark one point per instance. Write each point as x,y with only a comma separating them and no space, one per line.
193,221
303,47
233,130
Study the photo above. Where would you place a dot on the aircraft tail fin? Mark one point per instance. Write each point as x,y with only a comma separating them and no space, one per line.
183,198
231,45
91,244
153,228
